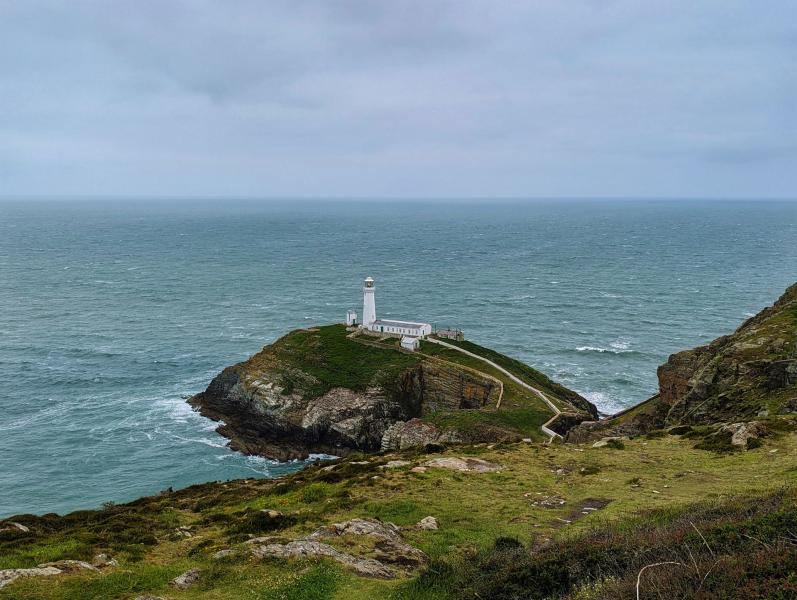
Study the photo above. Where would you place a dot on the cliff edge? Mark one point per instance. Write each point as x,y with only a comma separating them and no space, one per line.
748,374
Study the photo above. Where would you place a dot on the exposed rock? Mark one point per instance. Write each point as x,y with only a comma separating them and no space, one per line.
8,576
70,566
370,527
186,580
184,532
719,382
148,597
605,441
395,464
427,523
271,513
15,527
104,560
390,546
418,469
414,433
365,567
223,553
741,432
467,464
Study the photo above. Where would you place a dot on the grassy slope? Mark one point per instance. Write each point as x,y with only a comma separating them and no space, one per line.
521,410
473,509
556,392
331,360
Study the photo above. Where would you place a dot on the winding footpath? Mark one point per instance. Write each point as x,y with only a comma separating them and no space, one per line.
556,412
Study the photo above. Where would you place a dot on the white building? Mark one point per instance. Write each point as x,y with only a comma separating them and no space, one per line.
410,343
351,318
387,326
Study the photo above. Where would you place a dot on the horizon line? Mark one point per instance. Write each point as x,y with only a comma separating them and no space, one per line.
339,198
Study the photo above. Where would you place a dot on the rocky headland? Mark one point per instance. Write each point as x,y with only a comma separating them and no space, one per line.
329,390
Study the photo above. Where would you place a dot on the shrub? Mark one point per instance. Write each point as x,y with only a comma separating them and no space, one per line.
719,442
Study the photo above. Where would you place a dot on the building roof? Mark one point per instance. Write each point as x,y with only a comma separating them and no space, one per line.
405,324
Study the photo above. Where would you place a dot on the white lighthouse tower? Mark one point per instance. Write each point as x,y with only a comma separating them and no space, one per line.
369,306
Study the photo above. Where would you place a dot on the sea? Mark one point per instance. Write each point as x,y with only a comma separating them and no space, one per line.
113,311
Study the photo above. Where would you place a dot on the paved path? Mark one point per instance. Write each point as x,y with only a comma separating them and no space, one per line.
556,412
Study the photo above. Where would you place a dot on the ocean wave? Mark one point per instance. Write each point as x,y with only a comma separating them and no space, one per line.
605,403
601,350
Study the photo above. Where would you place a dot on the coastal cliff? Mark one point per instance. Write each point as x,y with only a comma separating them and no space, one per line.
324,390
748,374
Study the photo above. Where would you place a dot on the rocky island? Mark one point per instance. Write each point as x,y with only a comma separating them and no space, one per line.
462,474
335,390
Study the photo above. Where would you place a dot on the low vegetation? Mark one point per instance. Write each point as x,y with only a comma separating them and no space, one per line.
568,521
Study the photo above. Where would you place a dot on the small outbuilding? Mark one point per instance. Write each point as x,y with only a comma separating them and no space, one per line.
351,318
410,343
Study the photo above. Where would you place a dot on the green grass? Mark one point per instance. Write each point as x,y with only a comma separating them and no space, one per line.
333,360
665,474
524,421
318,582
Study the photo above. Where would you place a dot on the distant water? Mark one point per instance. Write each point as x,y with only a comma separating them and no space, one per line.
110,315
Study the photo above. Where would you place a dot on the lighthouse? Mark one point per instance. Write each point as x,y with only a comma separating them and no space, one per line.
369,306
386,327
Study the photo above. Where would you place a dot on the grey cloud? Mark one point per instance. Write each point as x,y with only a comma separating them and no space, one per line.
415,97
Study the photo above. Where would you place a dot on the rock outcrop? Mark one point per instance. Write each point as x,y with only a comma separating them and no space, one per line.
734,378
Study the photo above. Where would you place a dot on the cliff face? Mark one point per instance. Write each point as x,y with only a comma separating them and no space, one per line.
320,391
736,377
739,375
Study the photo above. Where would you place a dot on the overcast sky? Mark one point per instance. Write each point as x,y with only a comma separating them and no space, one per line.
399,98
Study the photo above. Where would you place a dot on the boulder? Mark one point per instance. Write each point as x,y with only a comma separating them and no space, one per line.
223,553
741,432
605,441
365,567
428,523
395,464
186,580
390,546
104,560
370,527
16,527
